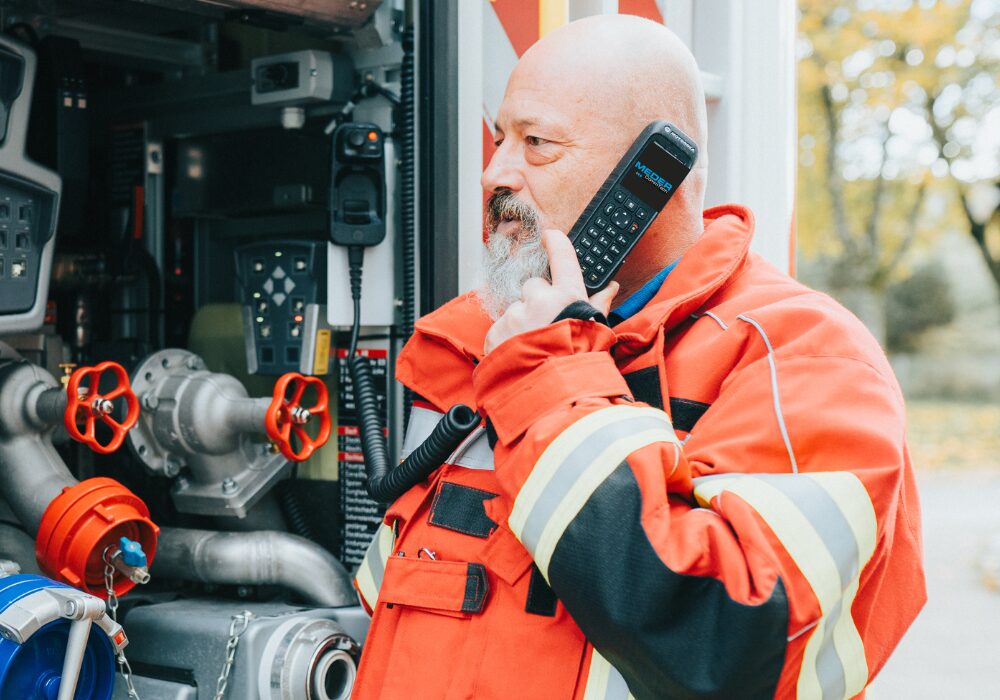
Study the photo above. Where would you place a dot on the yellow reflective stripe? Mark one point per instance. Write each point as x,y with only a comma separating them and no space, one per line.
597,678
580,491
367,589
834,663
372,567
853,500
848,644
559,449
790,526
604,682
561,483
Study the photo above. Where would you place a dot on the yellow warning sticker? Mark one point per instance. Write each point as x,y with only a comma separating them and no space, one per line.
321,363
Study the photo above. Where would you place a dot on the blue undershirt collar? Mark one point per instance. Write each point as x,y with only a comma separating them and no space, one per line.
635,303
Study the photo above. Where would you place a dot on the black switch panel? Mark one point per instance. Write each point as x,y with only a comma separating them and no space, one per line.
278,282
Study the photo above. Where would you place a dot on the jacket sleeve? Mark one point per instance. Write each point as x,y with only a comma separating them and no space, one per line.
742,582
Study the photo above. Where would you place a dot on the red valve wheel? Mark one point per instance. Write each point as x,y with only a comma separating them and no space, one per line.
86,405
286,416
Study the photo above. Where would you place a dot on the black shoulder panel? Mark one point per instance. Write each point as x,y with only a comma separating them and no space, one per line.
645,386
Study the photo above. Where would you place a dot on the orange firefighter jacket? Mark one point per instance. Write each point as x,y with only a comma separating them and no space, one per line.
713,499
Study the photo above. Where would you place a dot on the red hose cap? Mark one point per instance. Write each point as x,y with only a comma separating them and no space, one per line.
83,520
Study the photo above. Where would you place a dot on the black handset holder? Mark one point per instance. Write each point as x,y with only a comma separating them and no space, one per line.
357,185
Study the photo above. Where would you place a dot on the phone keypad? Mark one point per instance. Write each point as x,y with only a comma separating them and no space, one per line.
621,218
608,236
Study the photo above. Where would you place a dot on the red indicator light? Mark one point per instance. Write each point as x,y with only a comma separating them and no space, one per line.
372,136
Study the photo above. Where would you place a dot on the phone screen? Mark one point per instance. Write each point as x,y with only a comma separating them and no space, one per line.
654,174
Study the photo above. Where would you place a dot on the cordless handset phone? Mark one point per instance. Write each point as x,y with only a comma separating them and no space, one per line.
629,200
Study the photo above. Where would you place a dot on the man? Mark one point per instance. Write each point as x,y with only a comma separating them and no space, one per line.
710,498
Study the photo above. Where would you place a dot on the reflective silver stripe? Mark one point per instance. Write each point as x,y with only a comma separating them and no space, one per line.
574,465
372,568
829,665
421,425
822,512
774,391
473,453
826,523
604,682
617,688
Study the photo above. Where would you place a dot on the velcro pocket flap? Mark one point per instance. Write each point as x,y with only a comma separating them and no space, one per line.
445,586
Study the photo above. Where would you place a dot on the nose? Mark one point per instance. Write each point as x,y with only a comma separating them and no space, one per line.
505,169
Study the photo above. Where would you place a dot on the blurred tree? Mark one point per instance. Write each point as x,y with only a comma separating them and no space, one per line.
915,304
899,118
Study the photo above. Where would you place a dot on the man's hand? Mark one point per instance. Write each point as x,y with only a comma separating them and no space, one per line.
542,301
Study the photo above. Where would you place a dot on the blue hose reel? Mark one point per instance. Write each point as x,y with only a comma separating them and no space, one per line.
33,668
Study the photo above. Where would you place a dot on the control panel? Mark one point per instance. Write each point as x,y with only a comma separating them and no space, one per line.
26,225
281,287
29,199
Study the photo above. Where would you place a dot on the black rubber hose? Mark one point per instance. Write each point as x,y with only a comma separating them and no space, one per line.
407,197
292,510
447,435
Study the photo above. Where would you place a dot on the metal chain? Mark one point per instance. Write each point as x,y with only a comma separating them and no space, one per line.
109,587
236,628
126,671
109,584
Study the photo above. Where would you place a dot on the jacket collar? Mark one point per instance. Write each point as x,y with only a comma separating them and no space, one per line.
718,255
447,343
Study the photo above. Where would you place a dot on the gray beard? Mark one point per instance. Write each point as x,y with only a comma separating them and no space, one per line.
509,262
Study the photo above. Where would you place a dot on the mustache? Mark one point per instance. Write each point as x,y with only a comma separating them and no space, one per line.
503,205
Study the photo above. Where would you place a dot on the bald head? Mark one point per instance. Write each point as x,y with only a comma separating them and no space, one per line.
621,71
574,103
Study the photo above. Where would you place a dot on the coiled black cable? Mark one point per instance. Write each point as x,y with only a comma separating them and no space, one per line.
385,485
447,435
408,207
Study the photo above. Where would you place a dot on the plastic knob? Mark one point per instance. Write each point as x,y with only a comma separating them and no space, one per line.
286,417
132,553
87,405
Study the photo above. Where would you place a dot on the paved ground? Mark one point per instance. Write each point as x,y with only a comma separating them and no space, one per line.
953,649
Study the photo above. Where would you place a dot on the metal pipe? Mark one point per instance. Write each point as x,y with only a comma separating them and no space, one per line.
51,405
33,475
33,472
16,545
254,558
246,415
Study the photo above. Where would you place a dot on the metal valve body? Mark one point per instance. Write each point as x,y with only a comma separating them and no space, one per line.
206,422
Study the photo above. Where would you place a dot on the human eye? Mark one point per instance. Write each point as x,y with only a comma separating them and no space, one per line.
535,141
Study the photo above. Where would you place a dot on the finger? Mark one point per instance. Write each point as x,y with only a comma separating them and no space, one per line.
491,340
533,287
513,311
563,264
603,299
